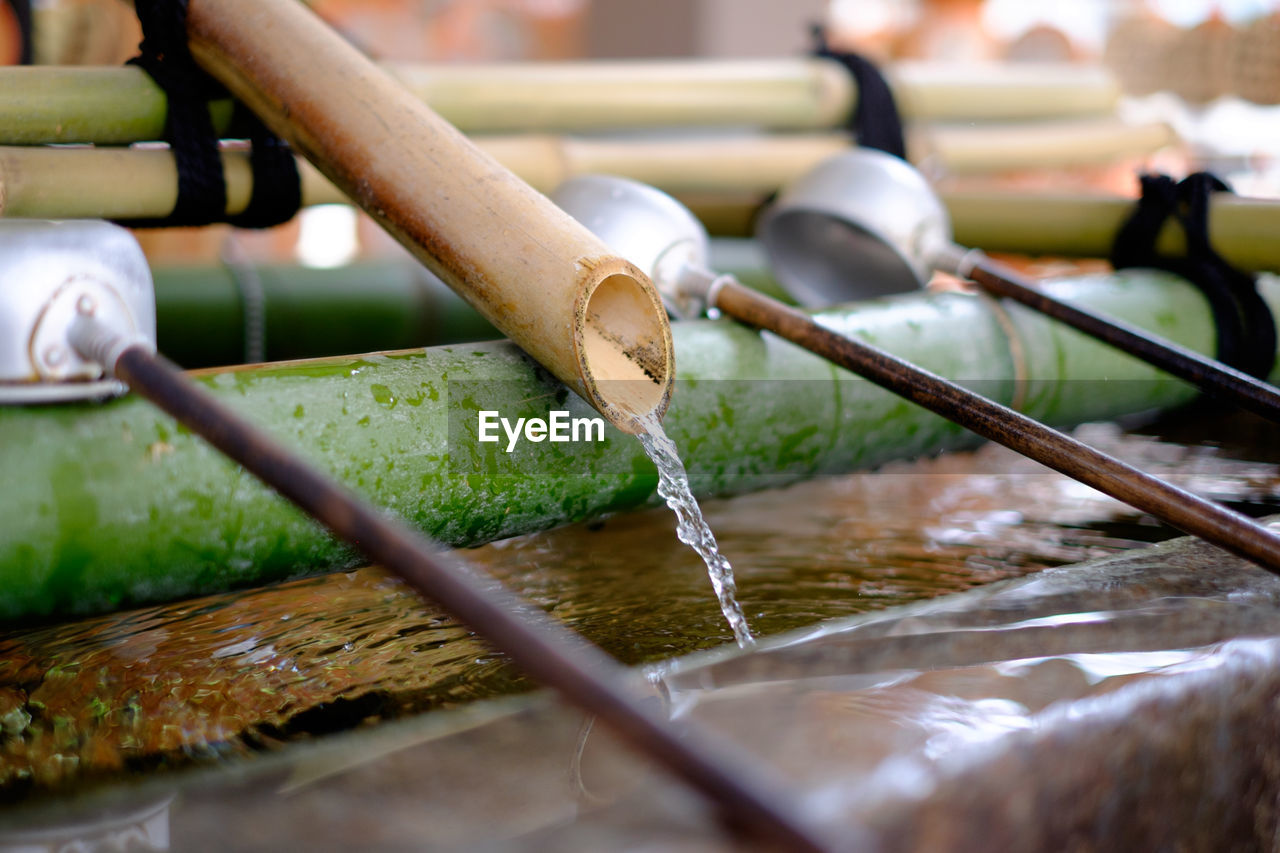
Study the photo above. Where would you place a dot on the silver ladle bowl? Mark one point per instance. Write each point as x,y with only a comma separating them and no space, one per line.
858,225
649,228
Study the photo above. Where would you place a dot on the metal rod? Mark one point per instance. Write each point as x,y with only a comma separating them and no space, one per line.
543,648
1212,376
1172,505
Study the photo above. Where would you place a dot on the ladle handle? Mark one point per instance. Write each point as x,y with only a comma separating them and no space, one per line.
1209,375
1172,505
539,646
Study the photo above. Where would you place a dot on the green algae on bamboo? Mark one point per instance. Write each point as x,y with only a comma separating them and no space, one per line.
113,505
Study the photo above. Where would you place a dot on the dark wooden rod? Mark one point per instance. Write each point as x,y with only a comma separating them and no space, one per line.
543,648
1174,506
1213,377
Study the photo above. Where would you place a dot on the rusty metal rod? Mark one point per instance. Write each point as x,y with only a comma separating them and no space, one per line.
543,648
1213,377
1174,506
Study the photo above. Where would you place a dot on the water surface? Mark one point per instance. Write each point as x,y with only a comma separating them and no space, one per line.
226,677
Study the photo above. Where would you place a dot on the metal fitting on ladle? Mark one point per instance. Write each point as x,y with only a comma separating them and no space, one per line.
651,230
86,276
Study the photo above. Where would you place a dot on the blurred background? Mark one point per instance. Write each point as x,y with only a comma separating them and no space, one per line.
1208,69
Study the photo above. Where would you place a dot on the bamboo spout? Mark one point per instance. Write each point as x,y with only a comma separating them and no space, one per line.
588,316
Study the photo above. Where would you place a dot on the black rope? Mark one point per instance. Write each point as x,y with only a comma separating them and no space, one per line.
1245,328
22,14
202,189
875,122
277,186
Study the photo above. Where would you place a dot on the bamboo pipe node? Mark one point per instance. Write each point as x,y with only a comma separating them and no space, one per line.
624,347
1017,351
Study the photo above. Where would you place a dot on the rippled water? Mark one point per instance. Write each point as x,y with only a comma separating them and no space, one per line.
227,676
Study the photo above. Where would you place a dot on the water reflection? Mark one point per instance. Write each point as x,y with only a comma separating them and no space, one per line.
229,676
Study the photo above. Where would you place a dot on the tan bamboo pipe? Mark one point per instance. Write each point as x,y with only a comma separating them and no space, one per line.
37,181
587,315
139,183
1055,223
120,105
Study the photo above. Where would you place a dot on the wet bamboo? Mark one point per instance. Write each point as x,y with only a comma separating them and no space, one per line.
541,647
1177,507
587,315
118,106
113,505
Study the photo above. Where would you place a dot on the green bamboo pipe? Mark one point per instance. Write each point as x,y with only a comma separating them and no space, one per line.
391,303
201,311
112,505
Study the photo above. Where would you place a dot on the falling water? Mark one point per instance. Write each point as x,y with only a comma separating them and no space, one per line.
692,530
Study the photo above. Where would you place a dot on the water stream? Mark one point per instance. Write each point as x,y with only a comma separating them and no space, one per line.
691,528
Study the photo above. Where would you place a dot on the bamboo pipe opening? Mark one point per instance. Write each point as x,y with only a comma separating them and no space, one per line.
625,350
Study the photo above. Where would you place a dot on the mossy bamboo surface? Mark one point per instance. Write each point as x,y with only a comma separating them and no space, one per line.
118,106
110,505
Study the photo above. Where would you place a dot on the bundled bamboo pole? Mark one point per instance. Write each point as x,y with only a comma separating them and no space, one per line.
1034,145
1000,91
115,106
1243,230
121,183
1066,224
81,182
587,315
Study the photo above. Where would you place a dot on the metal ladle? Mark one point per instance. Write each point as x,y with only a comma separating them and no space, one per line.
659,235
865,223
81,298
